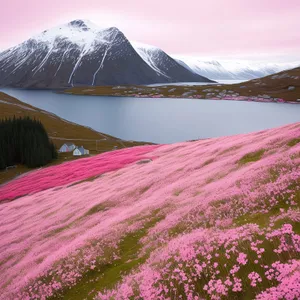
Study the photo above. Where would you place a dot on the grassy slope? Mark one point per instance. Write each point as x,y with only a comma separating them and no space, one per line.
196,208
275,87
60,131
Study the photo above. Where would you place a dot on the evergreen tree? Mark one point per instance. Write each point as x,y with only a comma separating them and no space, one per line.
24,141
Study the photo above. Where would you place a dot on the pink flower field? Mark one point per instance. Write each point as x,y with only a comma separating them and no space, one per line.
72,172
210,219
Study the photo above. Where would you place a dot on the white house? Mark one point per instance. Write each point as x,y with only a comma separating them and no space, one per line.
81,151
76,152
67,147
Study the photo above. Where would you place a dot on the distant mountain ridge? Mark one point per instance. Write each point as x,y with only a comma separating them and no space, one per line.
233,70
81,53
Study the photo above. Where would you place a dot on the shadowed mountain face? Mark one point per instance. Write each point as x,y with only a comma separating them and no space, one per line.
80,53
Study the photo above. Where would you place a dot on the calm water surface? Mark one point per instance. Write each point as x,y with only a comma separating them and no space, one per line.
162,120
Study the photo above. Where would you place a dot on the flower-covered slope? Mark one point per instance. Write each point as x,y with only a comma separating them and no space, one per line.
211,219
71,172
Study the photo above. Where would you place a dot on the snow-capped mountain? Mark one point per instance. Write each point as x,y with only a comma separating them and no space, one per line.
81,53
233,70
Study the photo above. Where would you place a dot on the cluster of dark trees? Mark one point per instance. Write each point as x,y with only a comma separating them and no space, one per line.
24,141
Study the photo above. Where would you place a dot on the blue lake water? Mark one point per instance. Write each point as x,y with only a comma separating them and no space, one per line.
162,120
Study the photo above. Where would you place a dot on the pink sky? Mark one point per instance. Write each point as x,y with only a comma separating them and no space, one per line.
193,27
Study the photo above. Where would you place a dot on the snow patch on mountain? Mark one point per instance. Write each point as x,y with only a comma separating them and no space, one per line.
80,32
139,46
150,54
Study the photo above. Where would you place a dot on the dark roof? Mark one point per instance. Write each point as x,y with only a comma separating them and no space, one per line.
81,149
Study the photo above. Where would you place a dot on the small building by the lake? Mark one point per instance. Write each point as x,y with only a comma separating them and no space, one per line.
81,151
67,147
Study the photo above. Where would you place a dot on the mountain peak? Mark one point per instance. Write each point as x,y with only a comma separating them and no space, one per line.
81,24
78,31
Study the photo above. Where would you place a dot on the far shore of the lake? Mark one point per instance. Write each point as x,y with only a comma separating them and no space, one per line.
232,92
197,97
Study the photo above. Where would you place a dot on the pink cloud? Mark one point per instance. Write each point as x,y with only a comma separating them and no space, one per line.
208,28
